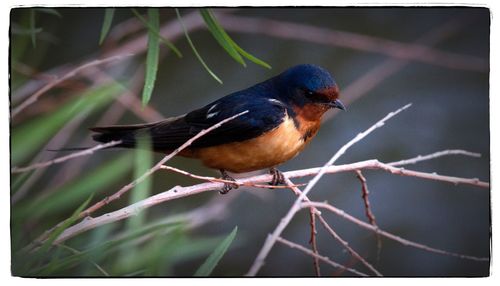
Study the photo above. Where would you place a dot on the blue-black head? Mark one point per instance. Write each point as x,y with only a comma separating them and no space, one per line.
311,86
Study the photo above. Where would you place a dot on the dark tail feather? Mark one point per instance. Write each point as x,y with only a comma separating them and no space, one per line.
116,133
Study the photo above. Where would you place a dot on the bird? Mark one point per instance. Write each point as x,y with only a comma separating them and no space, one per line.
284,114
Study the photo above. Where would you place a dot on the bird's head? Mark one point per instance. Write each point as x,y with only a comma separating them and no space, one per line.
310,87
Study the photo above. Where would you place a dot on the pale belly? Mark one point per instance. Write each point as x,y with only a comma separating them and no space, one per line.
271,149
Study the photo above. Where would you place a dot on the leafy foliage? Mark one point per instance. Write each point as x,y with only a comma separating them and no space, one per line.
227,42
195,51
140,246
106,24
208,266
152,55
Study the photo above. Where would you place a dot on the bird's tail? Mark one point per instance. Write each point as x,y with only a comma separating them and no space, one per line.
124,133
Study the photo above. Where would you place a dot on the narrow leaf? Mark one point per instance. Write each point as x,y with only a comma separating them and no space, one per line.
55,234
213,259
194,48
143,162
32,27
157,33
220,35
152,56
106,24
251,57
27,138
233,43
50,11
63,198
16,30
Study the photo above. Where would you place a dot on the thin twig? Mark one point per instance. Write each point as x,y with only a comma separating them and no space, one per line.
353,252
156,167
131,185
64,158
58,141
313,242
431,176
271,240
129,98
435,155
32,99
368,210
364,195
315,211
319,257
181,192
109,117
391,236
218,180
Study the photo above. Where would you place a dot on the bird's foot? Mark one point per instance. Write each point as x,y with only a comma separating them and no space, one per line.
278,177
227,186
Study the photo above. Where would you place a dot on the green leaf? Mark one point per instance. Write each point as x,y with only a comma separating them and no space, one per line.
17,30
24,263
18,181
194,48
50,11
64,197
220,35
152,56
143,162
208,266
32,27
157,33
109,246
30,136
251,57
68,222
75,251
143,156
106,24
216,28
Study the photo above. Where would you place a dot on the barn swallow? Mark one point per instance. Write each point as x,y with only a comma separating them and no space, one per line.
284,114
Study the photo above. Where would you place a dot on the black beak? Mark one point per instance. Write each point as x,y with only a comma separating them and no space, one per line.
338,104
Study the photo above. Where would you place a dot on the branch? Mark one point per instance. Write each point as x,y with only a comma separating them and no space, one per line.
156,167
435,155
319,257
126,188
330,230
368,210
313,241
32,99
350,249
219,180
271,240
391,236
64,158
181,192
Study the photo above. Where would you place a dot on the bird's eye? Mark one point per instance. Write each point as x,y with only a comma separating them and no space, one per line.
309,93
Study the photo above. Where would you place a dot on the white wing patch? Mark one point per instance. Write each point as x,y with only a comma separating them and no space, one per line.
212,114
275,101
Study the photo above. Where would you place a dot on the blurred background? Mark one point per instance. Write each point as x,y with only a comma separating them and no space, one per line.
382,58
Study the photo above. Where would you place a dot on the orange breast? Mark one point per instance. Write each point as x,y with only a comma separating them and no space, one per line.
270,149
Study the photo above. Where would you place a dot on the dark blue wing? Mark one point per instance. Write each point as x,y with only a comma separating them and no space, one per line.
263,115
